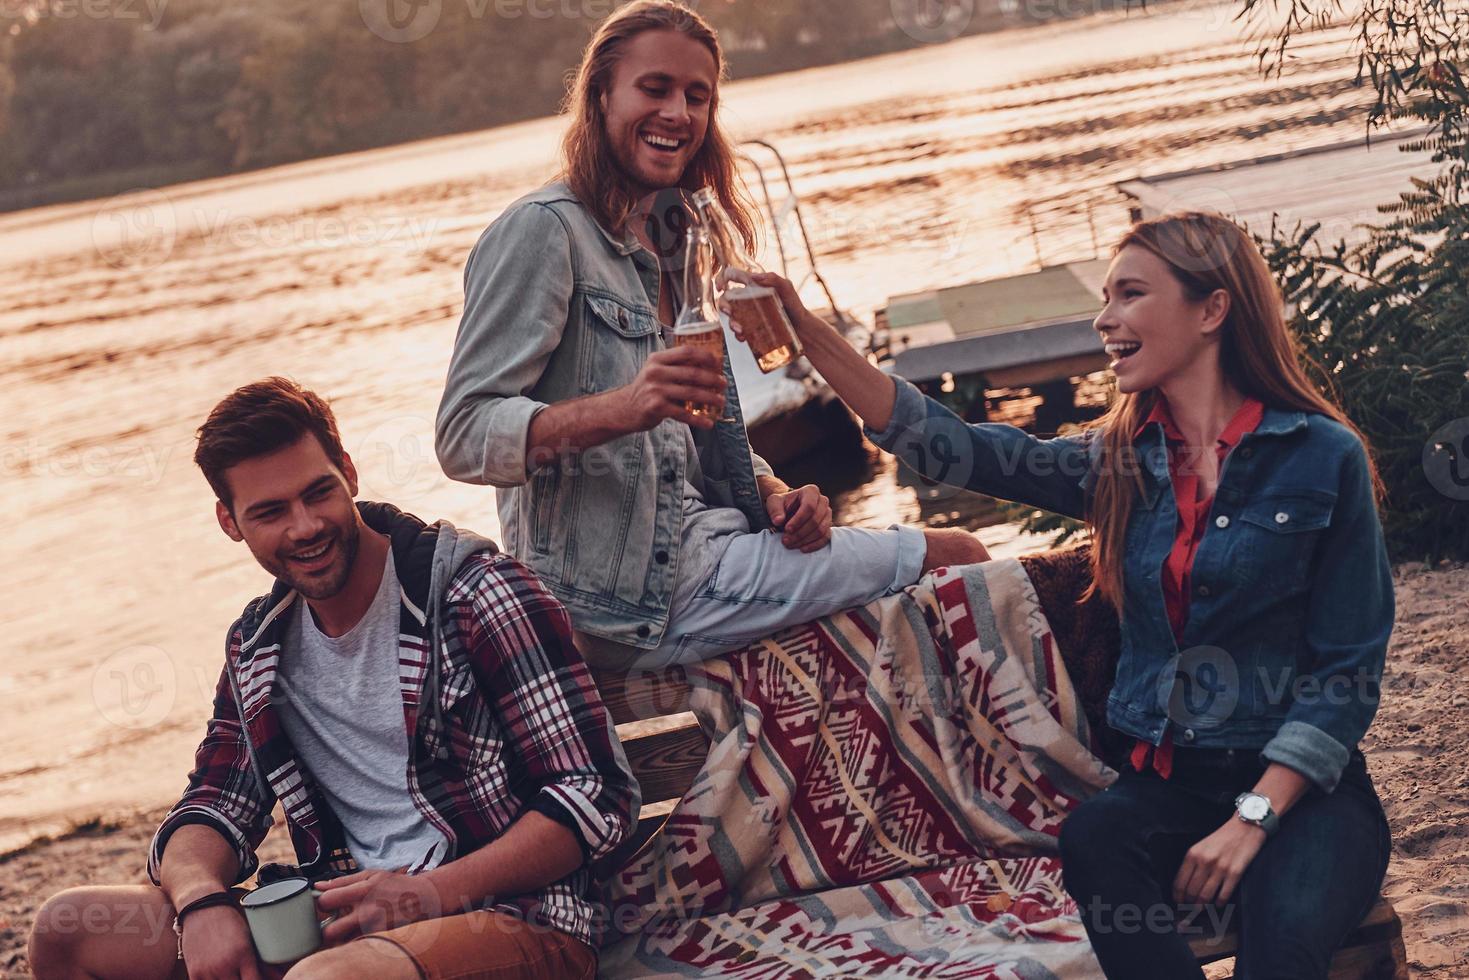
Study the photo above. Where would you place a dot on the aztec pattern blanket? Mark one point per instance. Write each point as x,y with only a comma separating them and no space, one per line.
881,798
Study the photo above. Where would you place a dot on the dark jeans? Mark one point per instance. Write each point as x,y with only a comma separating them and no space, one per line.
1306,889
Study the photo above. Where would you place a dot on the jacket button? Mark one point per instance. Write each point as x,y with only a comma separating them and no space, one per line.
661,558
644,630
1247,451
1282,517
1221,521
1202,590
622,317
1188,734
668,476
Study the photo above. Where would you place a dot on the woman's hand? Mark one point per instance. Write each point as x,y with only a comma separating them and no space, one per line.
374,901
1212,868
802,319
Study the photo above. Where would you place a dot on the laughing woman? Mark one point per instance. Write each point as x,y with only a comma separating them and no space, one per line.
1233,513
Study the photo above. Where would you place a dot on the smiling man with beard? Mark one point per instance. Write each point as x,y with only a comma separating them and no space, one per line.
665,536
412,698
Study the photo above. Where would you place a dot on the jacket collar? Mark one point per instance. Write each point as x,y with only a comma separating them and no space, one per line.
1280,422
560,190
623,246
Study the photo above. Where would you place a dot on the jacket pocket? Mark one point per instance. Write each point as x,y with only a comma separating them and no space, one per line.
545,489
1283,530
616,341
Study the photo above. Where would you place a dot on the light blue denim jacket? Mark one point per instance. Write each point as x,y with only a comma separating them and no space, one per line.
557,307
1292,604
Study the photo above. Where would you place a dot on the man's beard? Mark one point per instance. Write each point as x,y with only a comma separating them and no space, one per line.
624,160
332,580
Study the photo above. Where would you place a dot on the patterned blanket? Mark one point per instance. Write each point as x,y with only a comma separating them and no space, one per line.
882,797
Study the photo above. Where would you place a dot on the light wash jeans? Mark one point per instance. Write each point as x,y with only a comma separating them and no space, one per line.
761,587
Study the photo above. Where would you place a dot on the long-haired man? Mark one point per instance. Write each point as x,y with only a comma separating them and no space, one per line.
665,536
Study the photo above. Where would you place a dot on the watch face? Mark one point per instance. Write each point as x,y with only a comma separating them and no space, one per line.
1254,808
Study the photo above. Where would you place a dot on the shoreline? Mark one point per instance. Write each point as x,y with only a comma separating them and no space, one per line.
1411,753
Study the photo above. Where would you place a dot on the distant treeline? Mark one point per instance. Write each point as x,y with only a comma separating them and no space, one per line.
97,96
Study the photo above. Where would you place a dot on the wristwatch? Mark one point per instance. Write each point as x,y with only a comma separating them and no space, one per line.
1256,809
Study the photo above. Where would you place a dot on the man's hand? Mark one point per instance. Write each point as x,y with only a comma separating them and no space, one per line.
668,381
1212,868
373,901
217,946
803,516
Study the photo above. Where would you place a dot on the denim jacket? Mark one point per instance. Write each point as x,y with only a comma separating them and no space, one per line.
557,307
1292,599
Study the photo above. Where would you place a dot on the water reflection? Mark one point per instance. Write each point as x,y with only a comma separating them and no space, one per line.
926,169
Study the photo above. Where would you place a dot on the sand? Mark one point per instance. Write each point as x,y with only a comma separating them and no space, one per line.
1415,751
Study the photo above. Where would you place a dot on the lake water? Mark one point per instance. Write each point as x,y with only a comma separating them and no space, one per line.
124,321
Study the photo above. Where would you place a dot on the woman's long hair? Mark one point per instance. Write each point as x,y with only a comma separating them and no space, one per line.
588,166
1259,357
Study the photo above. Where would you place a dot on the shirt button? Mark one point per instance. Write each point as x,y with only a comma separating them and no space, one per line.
1202,590
1221,521
1282,517
661,558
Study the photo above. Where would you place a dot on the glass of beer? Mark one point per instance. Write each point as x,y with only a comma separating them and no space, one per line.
763,322
757,310
707,336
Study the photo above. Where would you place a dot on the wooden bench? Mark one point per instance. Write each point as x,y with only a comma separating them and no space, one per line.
666,749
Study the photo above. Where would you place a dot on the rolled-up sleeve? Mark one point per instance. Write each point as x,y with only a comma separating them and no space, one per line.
761,468
1349,621
517,296
223,791
544,697
1000,460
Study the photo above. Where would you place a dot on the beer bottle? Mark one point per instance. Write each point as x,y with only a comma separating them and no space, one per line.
697,324
756,309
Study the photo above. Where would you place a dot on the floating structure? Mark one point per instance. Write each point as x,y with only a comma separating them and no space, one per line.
1339,185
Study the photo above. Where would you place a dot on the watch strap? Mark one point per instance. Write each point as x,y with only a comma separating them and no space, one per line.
1268,823
209,901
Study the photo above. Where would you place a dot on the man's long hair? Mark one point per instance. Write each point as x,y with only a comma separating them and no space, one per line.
1259,356
588,166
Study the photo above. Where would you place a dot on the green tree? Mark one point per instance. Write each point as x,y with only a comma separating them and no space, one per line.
1387,320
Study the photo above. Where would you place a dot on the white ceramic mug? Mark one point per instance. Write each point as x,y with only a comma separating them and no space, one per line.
283,920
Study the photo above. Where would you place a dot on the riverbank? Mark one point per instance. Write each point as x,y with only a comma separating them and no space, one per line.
1414,751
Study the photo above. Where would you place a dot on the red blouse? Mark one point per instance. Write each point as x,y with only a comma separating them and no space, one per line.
1193,516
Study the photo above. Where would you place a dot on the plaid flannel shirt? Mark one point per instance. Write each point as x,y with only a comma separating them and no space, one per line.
523,729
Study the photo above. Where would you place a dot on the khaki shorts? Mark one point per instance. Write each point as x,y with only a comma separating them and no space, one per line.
489,946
